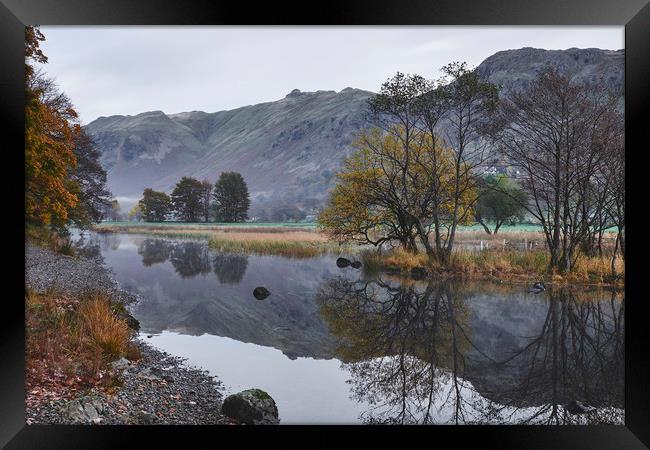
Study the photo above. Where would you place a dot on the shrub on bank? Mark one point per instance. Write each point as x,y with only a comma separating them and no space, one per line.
502,264
70,343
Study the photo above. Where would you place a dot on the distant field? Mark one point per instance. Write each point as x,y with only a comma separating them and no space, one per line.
211,224
520,227
505,229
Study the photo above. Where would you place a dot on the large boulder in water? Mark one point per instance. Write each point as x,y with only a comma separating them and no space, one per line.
251,407
260,292
342,262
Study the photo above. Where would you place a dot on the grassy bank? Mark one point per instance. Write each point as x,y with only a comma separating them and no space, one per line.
297,244
70,343
499,264
294,242
516,253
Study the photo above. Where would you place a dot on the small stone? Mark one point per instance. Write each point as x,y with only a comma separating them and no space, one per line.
342,262
120,364
146,418
261,293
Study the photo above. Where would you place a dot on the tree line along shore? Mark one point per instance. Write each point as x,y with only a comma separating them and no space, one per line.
424,171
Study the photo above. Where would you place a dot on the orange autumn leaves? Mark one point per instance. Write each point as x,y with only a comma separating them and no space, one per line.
50,129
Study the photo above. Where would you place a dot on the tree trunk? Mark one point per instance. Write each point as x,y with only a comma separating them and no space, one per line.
614,255
424,238
485,227
497,226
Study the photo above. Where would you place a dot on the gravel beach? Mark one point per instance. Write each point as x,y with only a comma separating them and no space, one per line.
158,389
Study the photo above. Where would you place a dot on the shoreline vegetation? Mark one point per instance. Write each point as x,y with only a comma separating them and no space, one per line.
513,255
85,362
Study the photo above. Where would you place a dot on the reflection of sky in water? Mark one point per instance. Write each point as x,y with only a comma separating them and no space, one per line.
199,305
306,390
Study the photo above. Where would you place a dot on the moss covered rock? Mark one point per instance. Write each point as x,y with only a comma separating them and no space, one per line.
251,407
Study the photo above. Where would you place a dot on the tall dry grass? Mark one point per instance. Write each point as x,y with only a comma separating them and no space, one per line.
297,244
100,329
502,264
70,342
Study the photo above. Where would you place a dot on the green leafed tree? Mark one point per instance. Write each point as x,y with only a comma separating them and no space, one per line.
187,199
89,179
231,199
156,206
136,213
206,199
113,210
500,200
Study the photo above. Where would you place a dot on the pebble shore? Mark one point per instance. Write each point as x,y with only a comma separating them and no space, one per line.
158,389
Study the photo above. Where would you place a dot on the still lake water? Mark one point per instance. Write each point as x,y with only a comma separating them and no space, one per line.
335,345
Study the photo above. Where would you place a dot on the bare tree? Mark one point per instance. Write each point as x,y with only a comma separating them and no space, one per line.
558,134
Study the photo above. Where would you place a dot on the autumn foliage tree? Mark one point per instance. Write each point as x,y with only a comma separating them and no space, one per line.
64,181
383,192
49,143
415,174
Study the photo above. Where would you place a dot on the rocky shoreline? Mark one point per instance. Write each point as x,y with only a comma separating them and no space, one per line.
157,389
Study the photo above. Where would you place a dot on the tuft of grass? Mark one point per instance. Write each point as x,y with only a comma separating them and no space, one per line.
102,330
371,260
70,342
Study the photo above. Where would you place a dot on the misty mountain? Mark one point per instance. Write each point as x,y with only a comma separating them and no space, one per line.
289,150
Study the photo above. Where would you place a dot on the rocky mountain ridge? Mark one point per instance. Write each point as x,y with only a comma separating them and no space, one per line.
289,150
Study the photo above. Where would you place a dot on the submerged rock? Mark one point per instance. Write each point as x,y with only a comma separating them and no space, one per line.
251,407
261,293
342,262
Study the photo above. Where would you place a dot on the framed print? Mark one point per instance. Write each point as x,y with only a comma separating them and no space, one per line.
263,220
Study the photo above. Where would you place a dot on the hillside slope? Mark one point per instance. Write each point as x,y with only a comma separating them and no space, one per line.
288,150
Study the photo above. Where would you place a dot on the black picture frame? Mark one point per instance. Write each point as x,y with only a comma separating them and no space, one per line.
633,14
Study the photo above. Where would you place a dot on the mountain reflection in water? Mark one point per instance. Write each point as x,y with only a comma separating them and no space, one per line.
436,352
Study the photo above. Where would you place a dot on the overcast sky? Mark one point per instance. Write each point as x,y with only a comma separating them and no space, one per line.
129,70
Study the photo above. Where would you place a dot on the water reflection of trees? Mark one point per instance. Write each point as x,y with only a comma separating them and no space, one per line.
88,246
154,251
577,355
229,268
190,259
414,357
